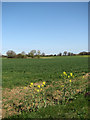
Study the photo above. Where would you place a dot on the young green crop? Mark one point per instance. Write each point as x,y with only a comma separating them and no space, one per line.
21,72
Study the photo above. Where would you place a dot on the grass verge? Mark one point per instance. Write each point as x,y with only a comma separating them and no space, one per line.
77,109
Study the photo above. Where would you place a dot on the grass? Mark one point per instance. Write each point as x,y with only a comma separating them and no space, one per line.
18,73
74,109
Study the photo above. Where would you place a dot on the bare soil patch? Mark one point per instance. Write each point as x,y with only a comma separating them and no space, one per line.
13,98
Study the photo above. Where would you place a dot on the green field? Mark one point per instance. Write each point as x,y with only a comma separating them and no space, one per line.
18,73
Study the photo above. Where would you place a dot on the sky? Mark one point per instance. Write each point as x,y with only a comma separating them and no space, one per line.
51,27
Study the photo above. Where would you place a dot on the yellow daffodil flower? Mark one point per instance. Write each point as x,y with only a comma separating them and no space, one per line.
37,90
70,80
71,74
68,76
64,73
38,86
44,83
31,83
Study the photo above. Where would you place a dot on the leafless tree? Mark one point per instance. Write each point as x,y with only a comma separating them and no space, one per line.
11,54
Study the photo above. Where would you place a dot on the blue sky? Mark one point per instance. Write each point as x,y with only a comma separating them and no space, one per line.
49,27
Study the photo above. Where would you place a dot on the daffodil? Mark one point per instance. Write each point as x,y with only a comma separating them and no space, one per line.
69,80
64,73
68,76
71,74
44,83
31,83
41,89
37,90
38,86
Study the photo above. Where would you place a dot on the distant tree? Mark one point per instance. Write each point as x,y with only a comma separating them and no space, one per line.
60,54
69,54
28,55
3,56
21,56
51,55
83,53
23,53
11,54
38,53
32,53
43,54
72,54
65,53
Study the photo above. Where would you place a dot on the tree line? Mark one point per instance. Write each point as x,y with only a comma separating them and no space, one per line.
38,54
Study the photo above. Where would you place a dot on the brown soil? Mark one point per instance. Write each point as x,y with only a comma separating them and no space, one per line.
15,97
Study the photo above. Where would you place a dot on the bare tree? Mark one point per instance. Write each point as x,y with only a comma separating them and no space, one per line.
38,53
60,54
32,53
72,54
69,54
65,53
43,54
11,54
23,53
